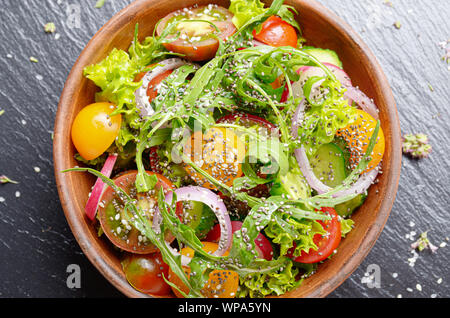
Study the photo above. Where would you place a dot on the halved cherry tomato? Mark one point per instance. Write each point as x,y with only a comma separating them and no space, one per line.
246,120
93,130
145,273
154,160
326,244
358,134
262,244
114,222
219,152
197,41
276,32
221,283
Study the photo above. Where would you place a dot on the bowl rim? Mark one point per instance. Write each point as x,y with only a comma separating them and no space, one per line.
372,234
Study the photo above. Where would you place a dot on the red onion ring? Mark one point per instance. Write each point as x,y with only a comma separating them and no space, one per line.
308,173
142,102
362,101
340,74
297,118
206,196
360,186
99,187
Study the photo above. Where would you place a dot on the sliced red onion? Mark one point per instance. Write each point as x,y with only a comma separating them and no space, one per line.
365,180
362,101
142,102
297,118
308,173
206,196
340,74
309,71
99,187
361,185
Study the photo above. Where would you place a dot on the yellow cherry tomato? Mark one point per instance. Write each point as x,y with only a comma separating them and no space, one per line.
219,152
93,130
221,283
358,134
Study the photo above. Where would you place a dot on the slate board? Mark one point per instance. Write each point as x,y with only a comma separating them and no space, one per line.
36,244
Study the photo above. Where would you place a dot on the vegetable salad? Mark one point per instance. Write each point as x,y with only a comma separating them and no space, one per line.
229,155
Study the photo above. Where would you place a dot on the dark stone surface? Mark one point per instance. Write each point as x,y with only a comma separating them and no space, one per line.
36,244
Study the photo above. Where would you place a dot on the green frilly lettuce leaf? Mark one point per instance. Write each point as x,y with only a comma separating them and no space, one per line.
285,230
259,285
244,10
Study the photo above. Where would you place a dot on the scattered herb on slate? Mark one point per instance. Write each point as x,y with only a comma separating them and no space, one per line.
416,145
4,179
50,27
100,3
423,243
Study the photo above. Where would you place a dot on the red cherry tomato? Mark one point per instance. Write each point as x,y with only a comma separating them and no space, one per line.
326,244
262,244
246,120
145,273
112,218
276,32
197,41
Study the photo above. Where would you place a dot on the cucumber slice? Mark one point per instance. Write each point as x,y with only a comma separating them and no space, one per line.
324,55
199,217
328,165
347,208
342,144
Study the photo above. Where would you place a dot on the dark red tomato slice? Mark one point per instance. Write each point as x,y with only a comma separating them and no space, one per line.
262,244
276,32
152,85
196,39
326,244
246,120
145,273
154,160
114,221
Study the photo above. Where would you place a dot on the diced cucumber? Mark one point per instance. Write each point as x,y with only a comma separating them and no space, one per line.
199,217
342,144
324,55
347,208
292,184
328,165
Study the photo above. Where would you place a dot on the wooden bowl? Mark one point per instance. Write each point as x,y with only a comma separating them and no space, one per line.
321,28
